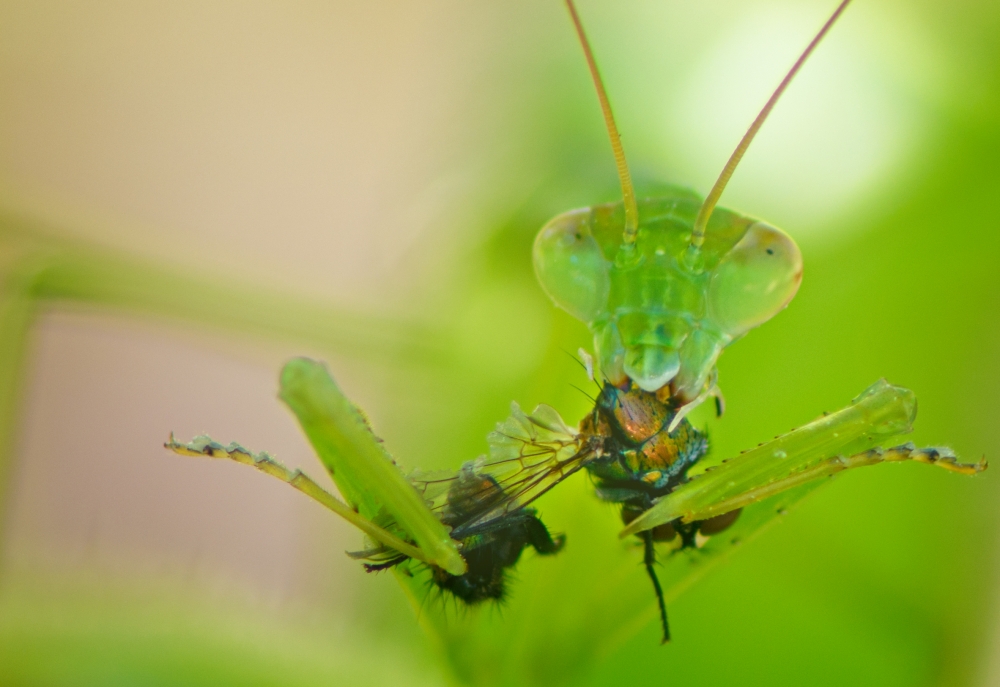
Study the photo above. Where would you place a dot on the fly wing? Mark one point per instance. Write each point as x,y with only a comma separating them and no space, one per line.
433,486
528,455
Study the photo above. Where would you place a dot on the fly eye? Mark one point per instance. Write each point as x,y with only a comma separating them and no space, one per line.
754,280
571,266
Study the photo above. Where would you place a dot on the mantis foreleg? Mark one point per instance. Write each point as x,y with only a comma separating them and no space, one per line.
204,446
812,451
942,457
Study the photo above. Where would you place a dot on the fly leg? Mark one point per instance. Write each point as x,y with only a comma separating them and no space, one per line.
540,538
649,559
378,567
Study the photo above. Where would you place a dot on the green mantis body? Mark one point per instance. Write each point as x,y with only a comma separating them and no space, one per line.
664,284
645,351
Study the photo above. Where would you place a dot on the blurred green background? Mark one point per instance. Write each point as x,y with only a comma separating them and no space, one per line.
191,193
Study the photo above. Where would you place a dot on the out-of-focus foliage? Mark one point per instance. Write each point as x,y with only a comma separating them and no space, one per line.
886,577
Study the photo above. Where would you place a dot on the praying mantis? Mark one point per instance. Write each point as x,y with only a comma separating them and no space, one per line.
571,534
664,289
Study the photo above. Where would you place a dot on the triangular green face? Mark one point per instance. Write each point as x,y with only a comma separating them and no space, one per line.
660,312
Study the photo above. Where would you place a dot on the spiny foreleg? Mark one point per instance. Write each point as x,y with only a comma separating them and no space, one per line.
838,441
205,446
942,457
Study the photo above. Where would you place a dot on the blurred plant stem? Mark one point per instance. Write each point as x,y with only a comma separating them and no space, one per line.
41,272
17,309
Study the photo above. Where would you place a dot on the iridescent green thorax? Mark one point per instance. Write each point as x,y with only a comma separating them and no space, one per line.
661,312
642,459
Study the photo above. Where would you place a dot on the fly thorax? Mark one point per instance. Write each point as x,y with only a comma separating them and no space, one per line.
633,414
640,449
660,318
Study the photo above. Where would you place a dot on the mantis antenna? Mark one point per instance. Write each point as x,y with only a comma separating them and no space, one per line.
628,192
705,212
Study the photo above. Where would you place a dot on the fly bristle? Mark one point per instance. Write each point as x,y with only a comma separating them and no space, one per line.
585,394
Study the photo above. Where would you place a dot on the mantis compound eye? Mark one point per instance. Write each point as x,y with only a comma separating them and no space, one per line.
571,267
754,280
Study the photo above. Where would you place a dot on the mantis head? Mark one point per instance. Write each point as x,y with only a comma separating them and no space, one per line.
666,283
656,319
